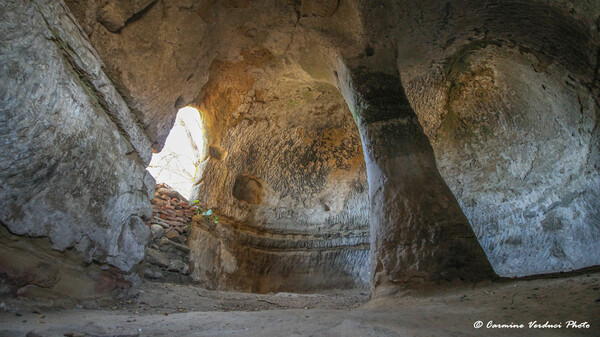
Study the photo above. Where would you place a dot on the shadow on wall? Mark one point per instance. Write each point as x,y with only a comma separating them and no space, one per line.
248,188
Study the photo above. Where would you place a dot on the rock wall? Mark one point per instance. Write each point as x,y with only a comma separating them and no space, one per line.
506,92
532,188
420,238
72,157
30,267
293,182
294,162
231,256
164,50
509,100
284,154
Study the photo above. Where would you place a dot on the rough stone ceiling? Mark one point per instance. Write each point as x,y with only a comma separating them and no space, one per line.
457,61
171,51
500,97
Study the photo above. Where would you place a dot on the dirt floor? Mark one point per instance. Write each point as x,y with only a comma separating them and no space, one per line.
161,309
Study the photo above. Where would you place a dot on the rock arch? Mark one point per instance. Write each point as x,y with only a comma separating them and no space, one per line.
452,81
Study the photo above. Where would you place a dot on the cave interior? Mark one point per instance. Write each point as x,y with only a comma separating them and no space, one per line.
388,150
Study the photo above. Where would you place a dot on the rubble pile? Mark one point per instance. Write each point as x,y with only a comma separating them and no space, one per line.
167,256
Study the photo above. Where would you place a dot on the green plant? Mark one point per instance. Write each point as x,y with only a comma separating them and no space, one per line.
196,207
208,214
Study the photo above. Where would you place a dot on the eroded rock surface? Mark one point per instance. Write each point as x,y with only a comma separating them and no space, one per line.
230,256
509,100
30,268
293,185
419,235
72,157
505,92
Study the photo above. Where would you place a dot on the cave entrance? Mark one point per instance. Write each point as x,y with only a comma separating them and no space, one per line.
177,163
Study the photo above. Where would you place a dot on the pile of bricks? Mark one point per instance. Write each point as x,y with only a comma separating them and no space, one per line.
171,211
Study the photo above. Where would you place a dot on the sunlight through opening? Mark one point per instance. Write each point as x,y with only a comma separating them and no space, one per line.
178,161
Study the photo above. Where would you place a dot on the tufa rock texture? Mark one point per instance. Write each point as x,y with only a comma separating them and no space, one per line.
230,255
29,267
509,99
419,235
480,113
72,158
506,92
293,186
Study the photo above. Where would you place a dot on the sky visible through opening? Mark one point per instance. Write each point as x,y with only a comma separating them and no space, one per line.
176,164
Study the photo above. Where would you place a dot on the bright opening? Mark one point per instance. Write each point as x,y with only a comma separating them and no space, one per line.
176,164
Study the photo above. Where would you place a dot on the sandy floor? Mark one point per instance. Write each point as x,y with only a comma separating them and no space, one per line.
174,310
